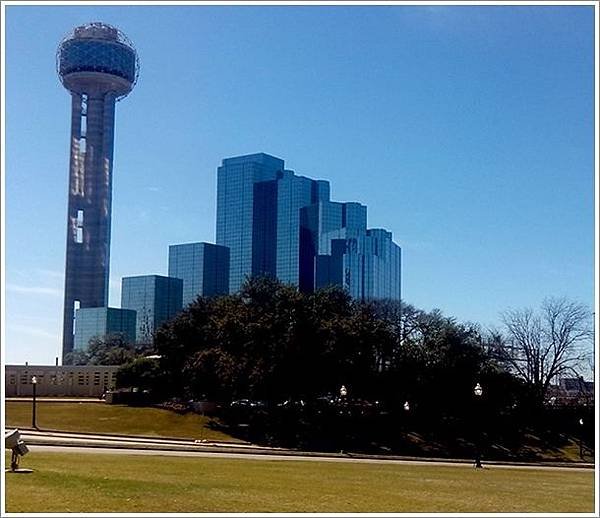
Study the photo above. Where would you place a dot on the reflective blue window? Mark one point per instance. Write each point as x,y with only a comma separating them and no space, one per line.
100,322
203,267
155,298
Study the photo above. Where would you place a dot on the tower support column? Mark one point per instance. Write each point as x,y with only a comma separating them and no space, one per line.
98,65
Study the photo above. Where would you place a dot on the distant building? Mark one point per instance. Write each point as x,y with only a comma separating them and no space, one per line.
280,224
571,391
203,267
368,266
101,322
155,298
57,380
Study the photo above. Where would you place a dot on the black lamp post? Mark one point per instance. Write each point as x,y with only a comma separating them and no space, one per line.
343,392
478,391
34,386
581,438
343,402
406,422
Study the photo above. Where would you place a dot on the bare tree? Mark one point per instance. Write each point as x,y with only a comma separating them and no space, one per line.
540,346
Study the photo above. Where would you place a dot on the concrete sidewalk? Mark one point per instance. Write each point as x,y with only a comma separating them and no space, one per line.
101,438
300,456
103,435
158,444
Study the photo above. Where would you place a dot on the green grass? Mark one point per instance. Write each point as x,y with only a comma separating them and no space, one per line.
95,482
116,419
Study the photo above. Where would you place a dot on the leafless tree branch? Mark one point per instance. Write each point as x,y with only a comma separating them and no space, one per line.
540,346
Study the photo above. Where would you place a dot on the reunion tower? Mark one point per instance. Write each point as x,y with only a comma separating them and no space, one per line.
99,66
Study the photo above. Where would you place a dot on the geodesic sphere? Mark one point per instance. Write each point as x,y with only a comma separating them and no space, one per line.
94,53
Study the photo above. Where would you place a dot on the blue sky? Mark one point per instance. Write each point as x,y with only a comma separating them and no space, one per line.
467,131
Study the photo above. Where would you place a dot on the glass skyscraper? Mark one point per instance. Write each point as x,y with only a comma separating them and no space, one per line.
293,193
258,218
246,215
155,298
368,266
284,225
203,267
102,322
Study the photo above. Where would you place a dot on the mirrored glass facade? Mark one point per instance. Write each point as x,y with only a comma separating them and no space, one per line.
258,216
155,298
101,322
244,221
293,193
371,265
203,267
278,223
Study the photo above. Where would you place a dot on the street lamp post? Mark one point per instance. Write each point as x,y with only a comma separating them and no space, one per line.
34,386
343,394
407,421
406,407
581,438
478,391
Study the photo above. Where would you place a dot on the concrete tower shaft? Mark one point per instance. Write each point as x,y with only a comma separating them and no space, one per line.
98,66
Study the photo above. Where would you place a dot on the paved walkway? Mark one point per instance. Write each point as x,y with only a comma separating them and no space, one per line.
276,457
57,437
120,444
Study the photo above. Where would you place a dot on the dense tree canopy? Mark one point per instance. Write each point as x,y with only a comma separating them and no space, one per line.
104,350
272,342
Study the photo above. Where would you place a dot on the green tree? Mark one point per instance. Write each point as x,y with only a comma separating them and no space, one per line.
111,349
143,373
271,341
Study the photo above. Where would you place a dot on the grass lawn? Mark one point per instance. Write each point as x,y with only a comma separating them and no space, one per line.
117,419
100,482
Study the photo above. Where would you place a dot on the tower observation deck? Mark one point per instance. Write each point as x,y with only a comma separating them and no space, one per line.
99,66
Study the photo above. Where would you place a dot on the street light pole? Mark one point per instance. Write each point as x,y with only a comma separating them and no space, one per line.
406,421
581,438
34,386
343,402
343,392
478,391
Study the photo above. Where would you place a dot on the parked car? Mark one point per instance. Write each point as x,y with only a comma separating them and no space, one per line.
247,403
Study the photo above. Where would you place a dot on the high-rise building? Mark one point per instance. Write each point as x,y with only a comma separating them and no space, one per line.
203,267
246,214
101,322
293,193
258,218
368,266
99,66
284,225
155,298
